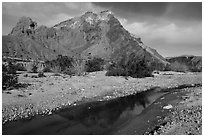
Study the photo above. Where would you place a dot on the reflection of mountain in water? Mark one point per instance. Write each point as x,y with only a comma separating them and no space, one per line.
91,118
106,114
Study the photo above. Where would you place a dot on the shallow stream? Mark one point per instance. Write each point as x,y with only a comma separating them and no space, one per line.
133,114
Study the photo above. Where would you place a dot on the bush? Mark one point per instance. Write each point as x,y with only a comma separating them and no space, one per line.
11,68
33,68
95,64
47,69
116,71
74,66
56,69
9,80
134,66
62,61
9,77
41,74
20,67
77,68
58,65
4,68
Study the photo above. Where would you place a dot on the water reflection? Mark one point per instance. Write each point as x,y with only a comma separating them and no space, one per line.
91,118
107,115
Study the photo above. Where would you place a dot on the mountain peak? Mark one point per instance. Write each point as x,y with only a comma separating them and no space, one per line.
23,25
89,35
106,12
102,15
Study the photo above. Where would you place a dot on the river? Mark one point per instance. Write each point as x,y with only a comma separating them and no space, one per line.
133,114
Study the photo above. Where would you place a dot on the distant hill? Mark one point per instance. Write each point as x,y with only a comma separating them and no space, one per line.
192,63
92,34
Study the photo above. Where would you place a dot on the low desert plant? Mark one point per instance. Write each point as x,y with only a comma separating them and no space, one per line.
56,69
41,74
134,66
33,67
94,64
9,80
47,69
11,68
4,68
20,67
56,74
77,68
9,77
62,61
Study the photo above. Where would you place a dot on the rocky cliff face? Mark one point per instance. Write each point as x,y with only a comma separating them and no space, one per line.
91,34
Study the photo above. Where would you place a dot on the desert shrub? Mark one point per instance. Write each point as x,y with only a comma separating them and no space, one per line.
56,74
196,69
34,76
134,66
20,67
56,69
11,68
4,68
77,68
64,62
69,71
9,80
47,69
167,68
95,64
9,77
74,66
33,67
58,65
116,71
41,74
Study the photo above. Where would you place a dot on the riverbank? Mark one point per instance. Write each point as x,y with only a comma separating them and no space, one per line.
47,94
186,117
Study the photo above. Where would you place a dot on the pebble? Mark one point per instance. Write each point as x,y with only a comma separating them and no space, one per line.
168,106
162,98
50,113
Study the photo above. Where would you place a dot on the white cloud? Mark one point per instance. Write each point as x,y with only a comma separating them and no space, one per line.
168,38
170,32
160,34
44,13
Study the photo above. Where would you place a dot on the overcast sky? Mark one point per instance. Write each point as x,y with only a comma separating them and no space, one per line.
171,28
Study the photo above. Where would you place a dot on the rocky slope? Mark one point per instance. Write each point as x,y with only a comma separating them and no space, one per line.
193,63
91,34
